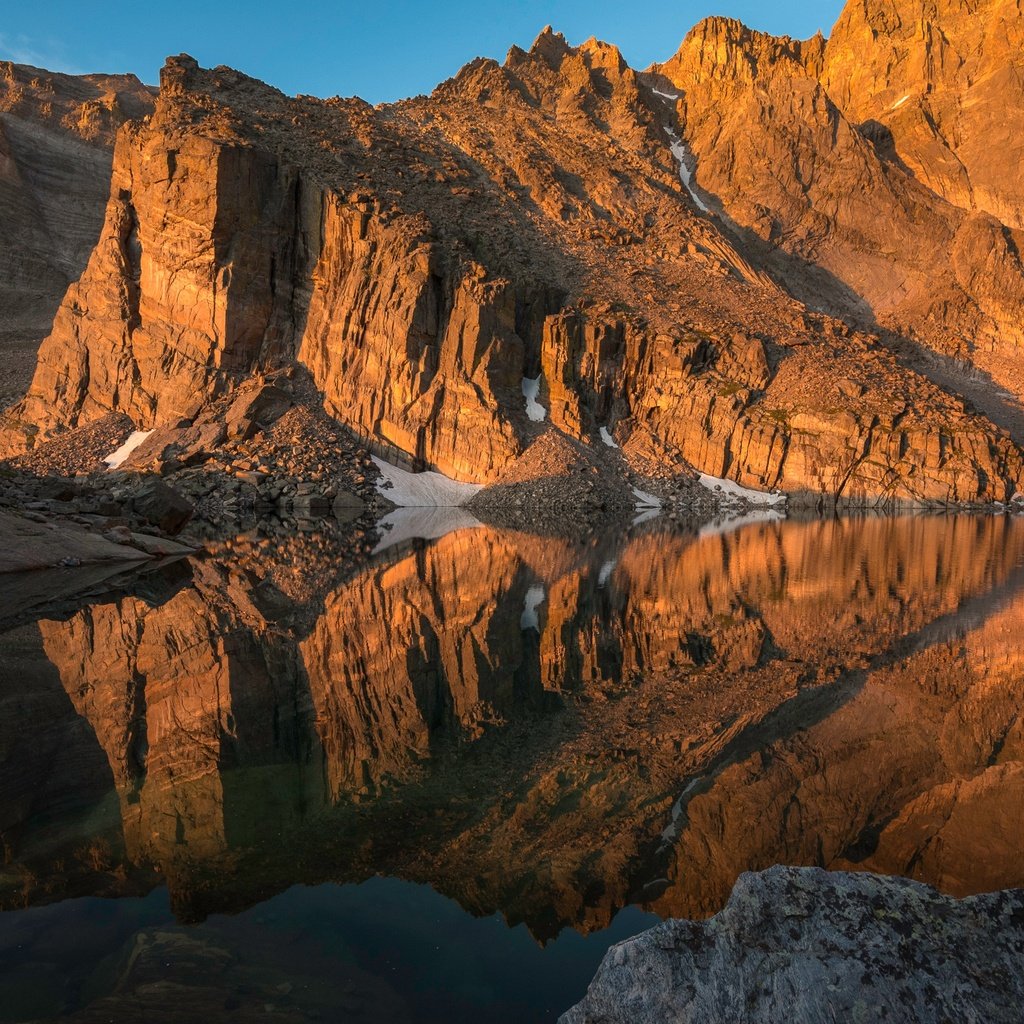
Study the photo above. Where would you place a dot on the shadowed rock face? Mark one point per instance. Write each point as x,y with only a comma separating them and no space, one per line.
56,137
550,730
838,945
529,219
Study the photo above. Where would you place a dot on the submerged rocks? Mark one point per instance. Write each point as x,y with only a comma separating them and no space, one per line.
809,946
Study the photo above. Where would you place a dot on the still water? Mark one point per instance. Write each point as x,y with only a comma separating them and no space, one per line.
435,782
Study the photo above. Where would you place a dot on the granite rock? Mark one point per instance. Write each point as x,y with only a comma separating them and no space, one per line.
808,946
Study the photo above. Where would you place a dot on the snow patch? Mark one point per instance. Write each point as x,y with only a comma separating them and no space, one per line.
666,95
535,597
645,500
607,438
731,489
606,573
899,103
424,523
422,490
531,389
115,458
680,152
647,505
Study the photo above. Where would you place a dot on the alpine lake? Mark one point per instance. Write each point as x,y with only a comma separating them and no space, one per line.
435,782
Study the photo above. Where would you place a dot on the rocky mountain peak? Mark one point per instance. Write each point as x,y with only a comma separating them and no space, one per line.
89,107
656,249
862,155
550,46
725,49
177,74
942,81
599,62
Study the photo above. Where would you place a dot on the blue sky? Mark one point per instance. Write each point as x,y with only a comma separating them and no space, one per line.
378,49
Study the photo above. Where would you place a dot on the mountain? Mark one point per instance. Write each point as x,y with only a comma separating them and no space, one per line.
56,143
734,261
884,162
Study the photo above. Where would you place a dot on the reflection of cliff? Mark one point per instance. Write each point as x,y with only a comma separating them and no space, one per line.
410,723
404,649
180,693
52,773
920,773
732,629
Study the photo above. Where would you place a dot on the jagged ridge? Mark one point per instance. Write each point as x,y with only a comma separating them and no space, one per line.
422,258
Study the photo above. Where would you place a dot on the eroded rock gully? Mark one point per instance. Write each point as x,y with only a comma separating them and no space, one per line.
235,703
422,259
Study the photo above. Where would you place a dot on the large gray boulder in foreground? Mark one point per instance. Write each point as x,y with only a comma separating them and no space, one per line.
804,946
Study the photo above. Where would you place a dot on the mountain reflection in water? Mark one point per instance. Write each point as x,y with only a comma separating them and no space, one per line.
542,730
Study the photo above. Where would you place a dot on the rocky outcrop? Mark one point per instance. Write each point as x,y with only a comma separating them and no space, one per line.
31,544
822,424
855,162
56,137
945,82
527,220
803,945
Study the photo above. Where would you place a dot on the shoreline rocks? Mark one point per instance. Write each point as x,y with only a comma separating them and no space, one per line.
808,946
30,544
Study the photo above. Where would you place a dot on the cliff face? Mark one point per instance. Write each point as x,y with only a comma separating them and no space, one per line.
946,81
56,137
885,159
527,219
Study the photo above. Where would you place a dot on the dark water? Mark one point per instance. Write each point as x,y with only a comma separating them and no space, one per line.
437,782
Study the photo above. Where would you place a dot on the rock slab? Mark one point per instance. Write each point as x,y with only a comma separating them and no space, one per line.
41,545
807,946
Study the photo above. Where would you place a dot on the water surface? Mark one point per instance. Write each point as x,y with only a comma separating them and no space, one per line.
436,783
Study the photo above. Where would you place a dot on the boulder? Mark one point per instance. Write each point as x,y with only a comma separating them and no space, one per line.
346,502
159,504
27,544
159,547
807,946
177,446
255,410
